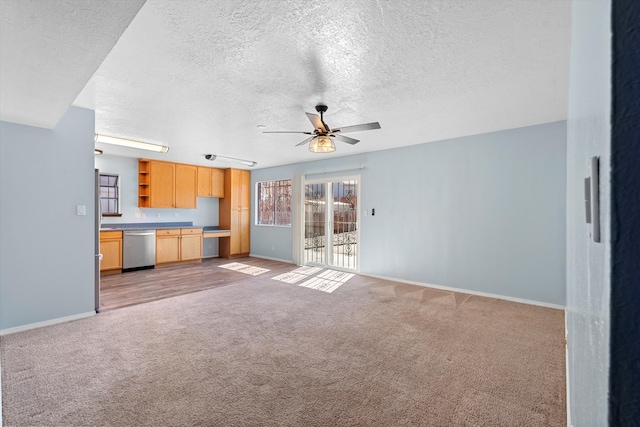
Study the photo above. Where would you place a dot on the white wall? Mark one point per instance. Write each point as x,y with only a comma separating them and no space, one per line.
206,212
46,250
588,266
484,213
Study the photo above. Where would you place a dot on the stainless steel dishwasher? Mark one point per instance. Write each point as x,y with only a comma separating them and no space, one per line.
138,249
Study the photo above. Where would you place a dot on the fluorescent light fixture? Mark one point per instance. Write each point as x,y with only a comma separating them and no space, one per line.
213,157
322,144
131,143
97,152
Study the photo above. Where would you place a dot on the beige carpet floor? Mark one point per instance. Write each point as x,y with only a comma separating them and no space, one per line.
267,353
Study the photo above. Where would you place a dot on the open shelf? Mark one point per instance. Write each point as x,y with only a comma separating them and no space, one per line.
143,183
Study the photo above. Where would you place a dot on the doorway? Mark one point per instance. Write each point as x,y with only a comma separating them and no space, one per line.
331,232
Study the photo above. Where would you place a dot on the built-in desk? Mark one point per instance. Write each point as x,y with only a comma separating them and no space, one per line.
212,234
209,247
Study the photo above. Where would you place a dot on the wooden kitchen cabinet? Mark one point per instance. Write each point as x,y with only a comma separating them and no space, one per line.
177,245
111,250
167,185
210,182
167,246
217,183
235,213
161,184
186,186
204,181
191,244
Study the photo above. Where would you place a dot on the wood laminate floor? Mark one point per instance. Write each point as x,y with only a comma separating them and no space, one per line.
138,287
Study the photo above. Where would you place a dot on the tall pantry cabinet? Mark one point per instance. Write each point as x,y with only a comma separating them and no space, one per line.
235,213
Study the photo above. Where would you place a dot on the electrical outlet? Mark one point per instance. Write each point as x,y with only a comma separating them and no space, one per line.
81,210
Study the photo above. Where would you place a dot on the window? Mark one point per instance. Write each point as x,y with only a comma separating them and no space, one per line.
274,203
109,194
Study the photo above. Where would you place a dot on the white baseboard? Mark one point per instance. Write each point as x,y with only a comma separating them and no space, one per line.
468,291
288,261
46,323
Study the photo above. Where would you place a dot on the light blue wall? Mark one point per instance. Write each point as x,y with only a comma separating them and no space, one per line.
484,213
126,168
588,267
46,250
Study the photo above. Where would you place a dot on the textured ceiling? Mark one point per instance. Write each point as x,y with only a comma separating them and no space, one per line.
200,76
50,49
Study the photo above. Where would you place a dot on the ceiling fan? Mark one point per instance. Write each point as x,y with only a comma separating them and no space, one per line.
322,137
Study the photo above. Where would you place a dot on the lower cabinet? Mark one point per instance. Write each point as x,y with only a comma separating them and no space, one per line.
111,250
176,245
167,246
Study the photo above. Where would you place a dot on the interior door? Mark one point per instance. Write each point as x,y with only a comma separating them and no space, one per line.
331,233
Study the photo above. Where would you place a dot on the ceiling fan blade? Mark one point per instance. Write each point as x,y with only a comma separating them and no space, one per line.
287,131
357,128
317,122
305,141
346,139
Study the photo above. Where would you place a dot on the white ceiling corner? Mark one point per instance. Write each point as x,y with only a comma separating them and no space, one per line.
50,49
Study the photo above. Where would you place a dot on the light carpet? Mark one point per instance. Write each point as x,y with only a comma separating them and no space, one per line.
265,353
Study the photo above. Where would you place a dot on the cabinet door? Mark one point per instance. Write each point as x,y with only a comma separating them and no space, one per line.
161,184
167,249
236,188
235,239
245,189
191,247
244,226
204,181
217,183
111,251
186,186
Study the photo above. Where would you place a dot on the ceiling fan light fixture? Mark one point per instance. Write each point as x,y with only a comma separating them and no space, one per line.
322,144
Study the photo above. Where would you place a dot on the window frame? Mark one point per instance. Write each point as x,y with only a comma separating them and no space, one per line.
117,197
258,186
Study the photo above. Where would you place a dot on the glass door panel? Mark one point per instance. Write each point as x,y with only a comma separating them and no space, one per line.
345,224
331,223
314,223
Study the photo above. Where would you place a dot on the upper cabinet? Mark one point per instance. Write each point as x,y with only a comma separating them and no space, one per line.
210,182
186,186
162,177
217,183
167,185
204,181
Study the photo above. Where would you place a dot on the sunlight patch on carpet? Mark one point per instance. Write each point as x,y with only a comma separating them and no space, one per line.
307,270
291,277
244,268
326,281
336,276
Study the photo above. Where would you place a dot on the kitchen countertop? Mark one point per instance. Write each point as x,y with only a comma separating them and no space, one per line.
160,226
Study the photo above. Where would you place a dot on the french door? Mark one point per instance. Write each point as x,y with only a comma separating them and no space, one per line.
331,232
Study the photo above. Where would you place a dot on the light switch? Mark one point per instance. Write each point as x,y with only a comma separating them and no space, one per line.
81,210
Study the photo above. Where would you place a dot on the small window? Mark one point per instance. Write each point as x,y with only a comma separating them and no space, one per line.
274,203
109,194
